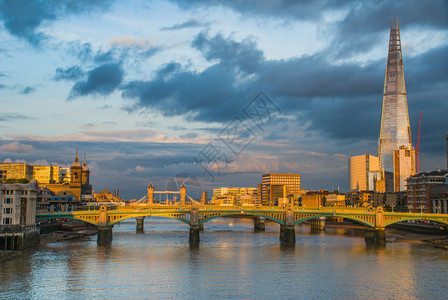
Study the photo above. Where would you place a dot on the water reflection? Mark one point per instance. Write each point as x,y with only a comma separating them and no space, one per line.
229,262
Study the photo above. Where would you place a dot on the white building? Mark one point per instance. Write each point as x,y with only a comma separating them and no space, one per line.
18,203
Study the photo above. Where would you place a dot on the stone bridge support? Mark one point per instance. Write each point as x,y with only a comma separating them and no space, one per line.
287,233
194,225
104,231
259,224
377,235
140,224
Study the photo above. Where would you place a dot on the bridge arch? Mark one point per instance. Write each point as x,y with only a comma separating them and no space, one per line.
434,219
250,214
72,217
352,218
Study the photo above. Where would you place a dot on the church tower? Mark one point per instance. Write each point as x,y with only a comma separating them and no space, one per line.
76,172
395,131
85,173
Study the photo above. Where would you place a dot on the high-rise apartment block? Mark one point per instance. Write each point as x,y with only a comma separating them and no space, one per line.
404,166
275,186
395,128
364,170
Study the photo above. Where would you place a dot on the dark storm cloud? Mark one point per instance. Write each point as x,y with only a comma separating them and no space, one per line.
302,9
229,53
365,24
211,95
70,74
192,23
101,80
27,90
340,101
361,28
22,18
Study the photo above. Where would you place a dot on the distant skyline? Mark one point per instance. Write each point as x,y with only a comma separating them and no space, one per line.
146,90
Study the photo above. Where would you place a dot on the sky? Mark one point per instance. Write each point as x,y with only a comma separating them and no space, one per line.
214,93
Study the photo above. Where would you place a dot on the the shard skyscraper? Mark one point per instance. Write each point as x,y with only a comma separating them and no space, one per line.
395,129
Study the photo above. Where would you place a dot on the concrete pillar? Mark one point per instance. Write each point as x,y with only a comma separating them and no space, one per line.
194,225
318,223
183,193
104,236
287,233
104,230
140,224
150,194
375,236
259,224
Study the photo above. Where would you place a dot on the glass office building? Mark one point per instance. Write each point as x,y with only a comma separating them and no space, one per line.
395,129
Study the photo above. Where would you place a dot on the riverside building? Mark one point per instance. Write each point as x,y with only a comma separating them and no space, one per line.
18,228
278,185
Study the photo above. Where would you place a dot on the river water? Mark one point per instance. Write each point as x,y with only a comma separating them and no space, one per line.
232,261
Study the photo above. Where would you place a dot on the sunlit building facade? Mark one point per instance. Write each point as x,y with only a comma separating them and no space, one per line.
278,185
363,172
395,128
404,166
420,187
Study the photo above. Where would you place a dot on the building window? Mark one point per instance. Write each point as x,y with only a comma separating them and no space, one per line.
7,221
7,201
7,210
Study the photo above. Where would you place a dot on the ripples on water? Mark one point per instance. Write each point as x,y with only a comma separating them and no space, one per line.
232,261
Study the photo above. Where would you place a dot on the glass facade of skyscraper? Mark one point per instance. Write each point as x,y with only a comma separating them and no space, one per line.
395,129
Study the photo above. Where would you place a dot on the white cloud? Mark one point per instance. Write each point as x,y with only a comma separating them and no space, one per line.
16,147
130,41
139,168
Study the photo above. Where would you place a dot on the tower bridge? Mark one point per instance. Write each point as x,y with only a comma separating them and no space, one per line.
374,219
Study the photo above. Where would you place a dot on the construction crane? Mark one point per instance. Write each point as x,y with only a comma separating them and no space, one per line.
417,146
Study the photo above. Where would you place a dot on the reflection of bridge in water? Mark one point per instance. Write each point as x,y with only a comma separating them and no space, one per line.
375,219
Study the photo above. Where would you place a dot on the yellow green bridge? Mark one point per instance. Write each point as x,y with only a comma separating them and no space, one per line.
375,219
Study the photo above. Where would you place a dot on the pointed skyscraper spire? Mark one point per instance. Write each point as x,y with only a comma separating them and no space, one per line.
395,129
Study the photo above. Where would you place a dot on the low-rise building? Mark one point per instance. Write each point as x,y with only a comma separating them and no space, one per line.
235,196
358,198
419,189
18,228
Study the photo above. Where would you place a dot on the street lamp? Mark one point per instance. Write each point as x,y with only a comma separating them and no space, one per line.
392,205
421,208
438,209
409,207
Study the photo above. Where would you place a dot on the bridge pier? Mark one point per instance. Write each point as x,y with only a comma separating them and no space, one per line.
140,224
104,235
287,232
194,226
375,236
317,224
259,224
104,231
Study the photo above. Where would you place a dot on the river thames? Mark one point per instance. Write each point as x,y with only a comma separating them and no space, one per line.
232,261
